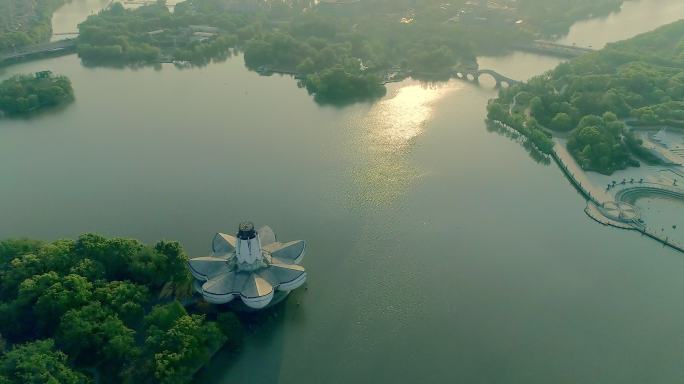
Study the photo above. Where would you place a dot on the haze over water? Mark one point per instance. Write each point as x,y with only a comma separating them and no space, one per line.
438,251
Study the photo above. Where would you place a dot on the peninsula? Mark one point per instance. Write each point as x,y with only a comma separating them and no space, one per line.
613,120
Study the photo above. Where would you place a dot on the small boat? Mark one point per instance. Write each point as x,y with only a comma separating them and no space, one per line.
182,63
264,70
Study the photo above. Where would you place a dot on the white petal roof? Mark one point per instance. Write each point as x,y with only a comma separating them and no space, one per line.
292,251
204,268
222,279
223,243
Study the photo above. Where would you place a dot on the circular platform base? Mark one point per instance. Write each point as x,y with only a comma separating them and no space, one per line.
238,306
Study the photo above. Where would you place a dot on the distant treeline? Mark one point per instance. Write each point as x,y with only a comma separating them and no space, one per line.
341,53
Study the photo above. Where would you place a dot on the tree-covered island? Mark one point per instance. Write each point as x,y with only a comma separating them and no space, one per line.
101,310
592,100
26,94
340,52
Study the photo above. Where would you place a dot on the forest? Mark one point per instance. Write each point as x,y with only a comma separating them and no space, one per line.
595,98
24,94
339,53
102,310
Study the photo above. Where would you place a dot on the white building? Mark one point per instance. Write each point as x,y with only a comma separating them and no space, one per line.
252,265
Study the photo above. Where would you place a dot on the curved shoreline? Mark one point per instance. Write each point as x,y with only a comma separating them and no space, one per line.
595,208
595,211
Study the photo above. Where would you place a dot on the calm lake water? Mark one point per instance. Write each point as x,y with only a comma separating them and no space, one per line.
634,18
439,251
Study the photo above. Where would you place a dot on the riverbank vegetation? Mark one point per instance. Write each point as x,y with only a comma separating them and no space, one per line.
638,81
25,22
25,94
340,53
101,310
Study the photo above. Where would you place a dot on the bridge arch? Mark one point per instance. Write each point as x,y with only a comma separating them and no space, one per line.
474,74
498,78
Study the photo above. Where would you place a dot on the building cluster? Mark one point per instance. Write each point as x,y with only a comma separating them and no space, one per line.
183,36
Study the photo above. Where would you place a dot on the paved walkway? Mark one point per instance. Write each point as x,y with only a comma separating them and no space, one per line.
599,193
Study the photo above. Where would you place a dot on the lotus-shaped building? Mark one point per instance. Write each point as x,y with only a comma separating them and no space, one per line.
252,265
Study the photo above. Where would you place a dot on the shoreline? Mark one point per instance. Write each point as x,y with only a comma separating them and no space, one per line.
612,209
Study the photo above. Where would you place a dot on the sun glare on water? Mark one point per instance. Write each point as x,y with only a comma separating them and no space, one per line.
394,122
388,132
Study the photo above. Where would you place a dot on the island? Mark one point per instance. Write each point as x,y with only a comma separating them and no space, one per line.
339,51
107,310
28,94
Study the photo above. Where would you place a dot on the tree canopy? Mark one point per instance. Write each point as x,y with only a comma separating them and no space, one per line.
38,362
73,306
23,94
339,53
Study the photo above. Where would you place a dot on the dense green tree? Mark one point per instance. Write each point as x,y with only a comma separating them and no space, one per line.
598,144
176,260
561,122
38,362
89,268
40,302
23,94
91,296
164,316
126,299
529,128
177,353
337,85
94,334
56,296
11,248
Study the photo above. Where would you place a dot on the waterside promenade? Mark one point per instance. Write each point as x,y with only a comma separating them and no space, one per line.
55,48
614,206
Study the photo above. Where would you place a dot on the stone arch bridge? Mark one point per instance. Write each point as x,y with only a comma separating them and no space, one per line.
474,74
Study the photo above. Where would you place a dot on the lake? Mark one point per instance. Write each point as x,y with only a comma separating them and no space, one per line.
438,251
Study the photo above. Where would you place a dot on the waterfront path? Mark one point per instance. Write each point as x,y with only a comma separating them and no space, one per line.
591,186
58,47
577,175
553,49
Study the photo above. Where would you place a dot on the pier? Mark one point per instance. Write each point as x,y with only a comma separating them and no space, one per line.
597,210
617,212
